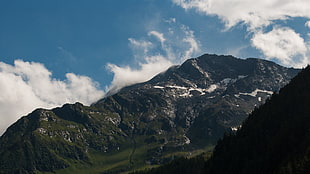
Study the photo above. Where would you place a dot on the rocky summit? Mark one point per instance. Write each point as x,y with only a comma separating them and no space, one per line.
180,112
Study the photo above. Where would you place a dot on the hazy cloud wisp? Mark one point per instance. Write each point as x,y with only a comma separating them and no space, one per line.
29,85
155,54
124,76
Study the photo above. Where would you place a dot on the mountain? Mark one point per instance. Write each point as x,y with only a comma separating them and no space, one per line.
274,139
180,112
204,97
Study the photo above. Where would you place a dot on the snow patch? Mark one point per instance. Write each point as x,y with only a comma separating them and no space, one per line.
187,90
235,128
241,76
186,95
159,87
259,99
194,63
211,89
254,93
226,81
187,140
177,87
198,89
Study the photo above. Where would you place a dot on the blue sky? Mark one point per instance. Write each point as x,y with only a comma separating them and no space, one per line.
53,52
83,36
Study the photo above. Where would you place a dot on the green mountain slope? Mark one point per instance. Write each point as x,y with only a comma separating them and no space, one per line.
181,112
47,140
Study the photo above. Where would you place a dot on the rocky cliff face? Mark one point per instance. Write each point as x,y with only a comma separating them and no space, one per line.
204,97
178,112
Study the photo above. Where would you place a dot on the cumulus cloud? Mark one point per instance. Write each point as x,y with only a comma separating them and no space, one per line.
282,44
124,76
25,86
307,24
155,54
254,14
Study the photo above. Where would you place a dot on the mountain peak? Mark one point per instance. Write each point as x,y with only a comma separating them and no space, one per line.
180,111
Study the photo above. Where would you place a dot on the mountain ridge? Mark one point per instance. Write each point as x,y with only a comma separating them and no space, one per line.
213,57
276,135
180,112
274,139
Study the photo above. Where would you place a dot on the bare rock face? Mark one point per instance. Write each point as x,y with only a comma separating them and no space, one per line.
204,97
178,112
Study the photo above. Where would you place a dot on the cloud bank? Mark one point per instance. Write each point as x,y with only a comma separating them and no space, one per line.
284,44
257,16
155,54
29,85
26,86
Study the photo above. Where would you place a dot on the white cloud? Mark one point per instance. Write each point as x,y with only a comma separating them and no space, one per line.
171,20
236,50
307,24
283,44
124,76
255,14
193,44
144,44
140,47
158,35
176,44
28,85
